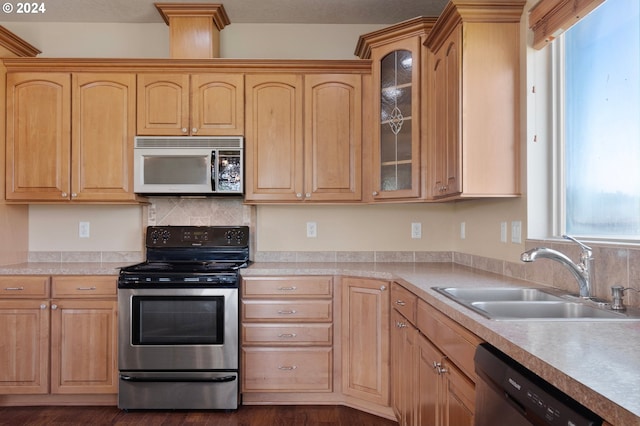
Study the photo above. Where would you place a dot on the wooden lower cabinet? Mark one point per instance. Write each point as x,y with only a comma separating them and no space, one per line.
59,340
365,339
432,369
287,335
304,343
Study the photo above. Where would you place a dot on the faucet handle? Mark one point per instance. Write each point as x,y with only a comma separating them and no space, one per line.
582,245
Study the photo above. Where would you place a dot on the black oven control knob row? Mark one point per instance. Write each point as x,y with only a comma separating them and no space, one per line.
235,235
160,234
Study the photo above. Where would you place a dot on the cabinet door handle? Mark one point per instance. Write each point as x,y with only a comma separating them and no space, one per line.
74,195
85,288
43,306
298,195
374,193
54,307
287,312
194,130
14,288
287,367
64,195
383,287
400,324
292,288
287,335
401,302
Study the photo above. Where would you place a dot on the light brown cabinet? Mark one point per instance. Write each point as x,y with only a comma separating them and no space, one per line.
303,137
397,155
190,105
70,137
63,343
287,334
365,339
432,365
472,101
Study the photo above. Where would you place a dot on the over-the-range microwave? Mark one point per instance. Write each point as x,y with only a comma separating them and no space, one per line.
191,165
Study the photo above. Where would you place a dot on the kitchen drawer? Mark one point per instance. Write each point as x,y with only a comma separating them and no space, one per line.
456,342
287,286
85,286
295,310
404,302
287,334
287,370
24,287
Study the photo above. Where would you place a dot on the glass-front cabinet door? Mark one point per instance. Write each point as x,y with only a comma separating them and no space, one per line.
396,55
396,143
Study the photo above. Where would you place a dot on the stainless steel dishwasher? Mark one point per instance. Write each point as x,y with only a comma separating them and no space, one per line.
509,394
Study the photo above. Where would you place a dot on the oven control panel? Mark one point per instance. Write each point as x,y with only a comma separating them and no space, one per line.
197,236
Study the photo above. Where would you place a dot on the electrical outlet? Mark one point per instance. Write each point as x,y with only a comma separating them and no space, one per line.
463,230
516,232
312,229
416,230
84,230
503,232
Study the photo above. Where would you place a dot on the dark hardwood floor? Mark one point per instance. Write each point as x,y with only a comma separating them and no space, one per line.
250,415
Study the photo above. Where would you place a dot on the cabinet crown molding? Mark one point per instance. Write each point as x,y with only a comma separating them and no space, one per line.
215,11
420,25
457,11
16,45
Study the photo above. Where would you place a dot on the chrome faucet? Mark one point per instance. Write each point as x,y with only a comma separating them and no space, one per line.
583,271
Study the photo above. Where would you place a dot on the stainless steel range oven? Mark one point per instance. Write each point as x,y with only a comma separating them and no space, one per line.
178,320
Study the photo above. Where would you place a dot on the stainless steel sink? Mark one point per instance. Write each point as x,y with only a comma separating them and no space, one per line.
467,294
532,304
541,310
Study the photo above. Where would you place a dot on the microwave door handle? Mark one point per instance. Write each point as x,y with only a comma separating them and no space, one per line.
214,171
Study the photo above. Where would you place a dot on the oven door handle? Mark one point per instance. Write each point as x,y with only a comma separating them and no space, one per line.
222,379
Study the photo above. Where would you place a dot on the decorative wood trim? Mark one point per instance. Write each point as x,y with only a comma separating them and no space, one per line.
186,65
457,11
409,28
550,18
215,11
16,45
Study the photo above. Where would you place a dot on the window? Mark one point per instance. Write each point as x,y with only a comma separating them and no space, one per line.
599,75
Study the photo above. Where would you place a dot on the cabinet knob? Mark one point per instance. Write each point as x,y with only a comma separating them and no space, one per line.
299,195
54,307
43,306
383,287
64,195
375,193
307,195
74,195
184,130
194,130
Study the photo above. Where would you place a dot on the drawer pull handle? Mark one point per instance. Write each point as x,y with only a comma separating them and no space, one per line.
292,288
401,302
287,367
14,288
289,312
287,335
85,288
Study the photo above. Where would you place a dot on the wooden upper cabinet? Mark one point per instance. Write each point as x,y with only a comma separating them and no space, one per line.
103,123
333,141
191,105
396,53
70,138
473,110
321,163
38,145
274,145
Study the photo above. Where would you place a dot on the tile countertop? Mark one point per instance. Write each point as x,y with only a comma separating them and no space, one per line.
597,363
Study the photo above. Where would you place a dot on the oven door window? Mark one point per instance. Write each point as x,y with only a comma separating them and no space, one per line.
176,320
